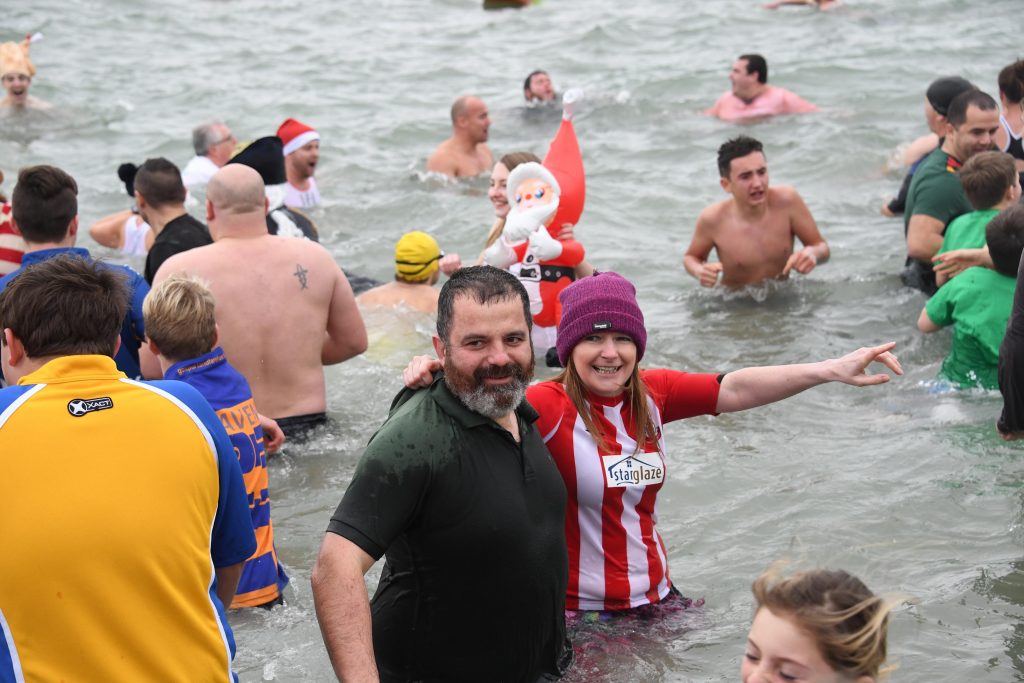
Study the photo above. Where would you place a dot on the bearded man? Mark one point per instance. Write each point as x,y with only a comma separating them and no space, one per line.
458,491
301,146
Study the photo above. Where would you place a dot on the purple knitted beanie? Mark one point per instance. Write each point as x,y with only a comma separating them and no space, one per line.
605,302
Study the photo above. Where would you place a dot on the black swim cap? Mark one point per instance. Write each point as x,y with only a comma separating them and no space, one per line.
941,92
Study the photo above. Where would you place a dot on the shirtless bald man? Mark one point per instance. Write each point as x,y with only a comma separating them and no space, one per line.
465,153
284,307
753,231
752,97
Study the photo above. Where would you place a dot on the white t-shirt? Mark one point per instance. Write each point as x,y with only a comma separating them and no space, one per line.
198,171
299,199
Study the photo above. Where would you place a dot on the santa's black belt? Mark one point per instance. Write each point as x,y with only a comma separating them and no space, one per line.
547,273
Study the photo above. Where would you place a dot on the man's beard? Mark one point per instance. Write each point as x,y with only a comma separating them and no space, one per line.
492,401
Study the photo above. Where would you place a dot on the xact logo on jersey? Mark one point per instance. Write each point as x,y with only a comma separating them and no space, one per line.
80,406
639,469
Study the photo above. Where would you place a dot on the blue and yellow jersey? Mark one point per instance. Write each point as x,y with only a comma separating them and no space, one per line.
119,499
263,577
133,332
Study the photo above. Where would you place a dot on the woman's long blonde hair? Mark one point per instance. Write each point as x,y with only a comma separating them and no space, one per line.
847,621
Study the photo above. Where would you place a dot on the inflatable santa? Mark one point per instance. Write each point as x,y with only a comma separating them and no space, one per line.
543,199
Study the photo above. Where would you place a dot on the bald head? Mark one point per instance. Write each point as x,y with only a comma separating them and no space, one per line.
236,189
470,120
463,105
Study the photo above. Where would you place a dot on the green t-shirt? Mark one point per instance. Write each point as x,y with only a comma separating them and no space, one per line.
978,303
967,231
936,190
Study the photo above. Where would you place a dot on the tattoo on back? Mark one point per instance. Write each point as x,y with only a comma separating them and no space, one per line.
300,273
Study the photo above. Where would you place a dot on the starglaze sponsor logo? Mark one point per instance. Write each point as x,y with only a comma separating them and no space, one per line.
639,469
79,407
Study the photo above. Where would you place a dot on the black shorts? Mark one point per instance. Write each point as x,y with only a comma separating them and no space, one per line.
300,427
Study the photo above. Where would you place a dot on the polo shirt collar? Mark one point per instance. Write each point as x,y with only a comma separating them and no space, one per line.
73,369
34,257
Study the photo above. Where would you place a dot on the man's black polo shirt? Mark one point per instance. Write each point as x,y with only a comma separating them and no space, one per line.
473,528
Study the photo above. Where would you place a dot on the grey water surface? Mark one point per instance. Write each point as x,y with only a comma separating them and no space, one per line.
906,485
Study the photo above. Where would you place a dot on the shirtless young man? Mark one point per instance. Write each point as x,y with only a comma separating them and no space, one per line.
753,231
751,96
284,307
465,153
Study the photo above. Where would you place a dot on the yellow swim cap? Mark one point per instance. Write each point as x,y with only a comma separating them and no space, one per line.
416,256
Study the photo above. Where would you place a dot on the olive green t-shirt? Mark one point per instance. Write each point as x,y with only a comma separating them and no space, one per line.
935,191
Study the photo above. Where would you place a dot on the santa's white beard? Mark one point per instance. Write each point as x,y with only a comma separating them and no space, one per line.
521,222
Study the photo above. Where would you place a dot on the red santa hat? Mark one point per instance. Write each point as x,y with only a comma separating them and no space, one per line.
294,134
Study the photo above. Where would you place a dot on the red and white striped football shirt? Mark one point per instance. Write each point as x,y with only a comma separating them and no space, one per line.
12,247
617,559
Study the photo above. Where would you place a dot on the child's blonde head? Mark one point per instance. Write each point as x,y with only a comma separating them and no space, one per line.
179,319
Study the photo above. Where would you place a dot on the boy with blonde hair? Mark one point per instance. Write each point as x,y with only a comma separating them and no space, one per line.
183,337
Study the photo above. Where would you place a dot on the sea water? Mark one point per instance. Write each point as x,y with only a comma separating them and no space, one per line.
910,489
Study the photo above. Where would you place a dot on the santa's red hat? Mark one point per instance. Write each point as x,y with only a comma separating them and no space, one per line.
295,134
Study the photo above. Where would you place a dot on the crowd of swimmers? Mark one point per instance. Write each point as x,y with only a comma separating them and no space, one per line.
563,522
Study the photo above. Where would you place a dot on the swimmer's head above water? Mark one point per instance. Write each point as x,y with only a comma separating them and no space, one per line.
538,87
749,76
820,626
16,72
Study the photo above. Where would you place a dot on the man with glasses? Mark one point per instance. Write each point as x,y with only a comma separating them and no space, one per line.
419,263
214,144
284,307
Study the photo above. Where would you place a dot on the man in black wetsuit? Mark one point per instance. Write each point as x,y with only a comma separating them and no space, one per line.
458,491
